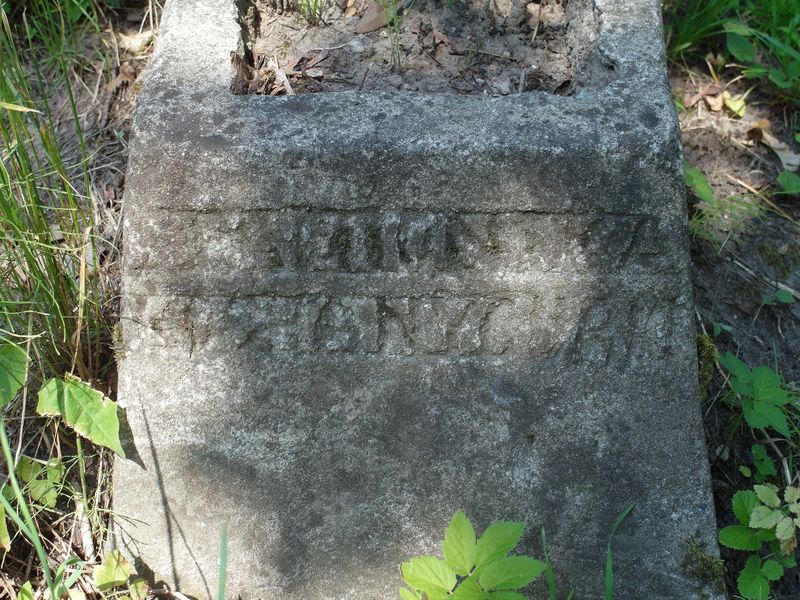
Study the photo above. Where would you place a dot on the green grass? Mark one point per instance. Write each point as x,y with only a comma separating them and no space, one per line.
51,291
761,39
54,294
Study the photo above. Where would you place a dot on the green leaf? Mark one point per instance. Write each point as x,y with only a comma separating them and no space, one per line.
760,415
777,77
511,572
42,479
768,494
429,574
112,572
791,494
789,182
695,179
784,530
738,28
498,540
751,583
469,590
740,47
736,367
784,296
764,378
506,595
738,537
13,364
407,594
763,462
764,517
5,538
83,408
25,592
744,501
459,544
772,570
139,590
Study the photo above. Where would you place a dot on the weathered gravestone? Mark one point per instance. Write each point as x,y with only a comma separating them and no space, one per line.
348,315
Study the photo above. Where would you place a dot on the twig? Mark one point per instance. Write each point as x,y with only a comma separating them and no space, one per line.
331,48
364,78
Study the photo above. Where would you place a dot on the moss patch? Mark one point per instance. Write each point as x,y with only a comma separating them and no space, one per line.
706,357
702,565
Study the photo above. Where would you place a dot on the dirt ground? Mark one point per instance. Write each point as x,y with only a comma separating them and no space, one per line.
464,47
741,255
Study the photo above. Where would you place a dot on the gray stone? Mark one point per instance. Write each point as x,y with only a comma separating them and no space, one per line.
348,315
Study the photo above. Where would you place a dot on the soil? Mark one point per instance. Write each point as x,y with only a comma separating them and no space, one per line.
739,258
491,47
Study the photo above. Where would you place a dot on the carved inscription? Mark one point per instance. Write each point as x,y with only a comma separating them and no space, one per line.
293,241
401,283
424,325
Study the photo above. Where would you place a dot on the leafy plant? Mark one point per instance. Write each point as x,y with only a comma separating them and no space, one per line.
760,392
473,568
482,568
763,520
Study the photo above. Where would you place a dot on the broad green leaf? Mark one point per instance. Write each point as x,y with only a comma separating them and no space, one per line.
5,538
764,517
739,537
777,77
405,594
784,530
772,570
790,182
139,590
744,501
768,494
764,535
736,367
428,574
695,179
43,480
763,462
738,28
784,296
511,572
506,595
459,544
498,540
469,590
751,583
13,363
791,494
760,415
764,379
83,408
25,592
112,572
740,47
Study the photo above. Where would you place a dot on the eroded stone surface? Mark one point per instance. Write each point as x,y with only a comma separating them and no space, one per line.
348,315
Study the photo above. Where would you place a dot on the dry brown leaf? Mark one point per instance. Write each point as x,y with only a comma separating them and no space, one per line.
135,43
715,103
127,74
374,18
789,160
710,90
317,59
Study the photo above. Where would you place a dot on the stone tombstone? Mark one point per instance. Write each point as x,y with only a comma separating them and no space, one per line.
348,315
